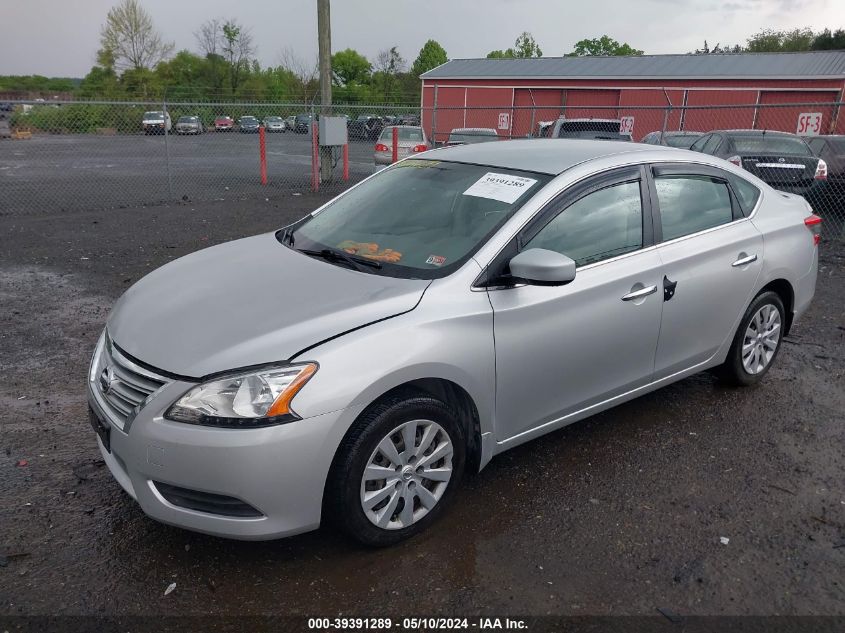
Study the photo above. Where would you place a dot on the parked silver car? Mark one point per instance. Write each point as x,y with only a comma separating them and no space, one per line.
275,124
353,365
465,135
410,140
189,125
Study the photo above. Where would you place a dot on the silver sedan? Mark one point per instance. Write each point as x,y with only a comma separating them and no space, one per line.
352,366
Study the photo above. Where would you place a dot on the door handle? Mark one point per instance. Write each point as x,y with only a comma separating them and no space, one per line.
639,294
742,261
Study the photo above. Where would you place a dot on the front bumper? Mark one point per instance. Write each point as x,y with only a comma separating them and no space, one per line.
280,471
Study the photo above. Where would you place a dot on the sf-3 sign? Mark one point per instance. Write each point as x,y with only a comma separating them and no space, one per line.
809,124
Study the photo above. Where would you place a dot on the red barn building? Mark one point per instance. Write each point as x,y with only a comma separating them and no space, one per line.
513,95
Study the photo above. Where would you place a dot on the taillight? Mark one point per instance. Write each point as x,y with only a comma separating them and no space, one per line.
821,172
814,223
381,147
736,160
420,148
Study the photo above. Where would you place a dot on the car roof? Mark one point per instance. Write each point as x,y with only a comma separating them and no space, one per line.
587,120
546,156
754,132
462,130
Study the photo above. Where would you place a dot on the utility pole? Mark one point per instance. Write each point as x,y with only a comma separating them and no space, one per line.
324,39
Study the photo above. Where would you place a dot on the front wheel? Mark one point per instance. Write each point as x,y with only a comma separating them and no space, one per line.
757,341
396,469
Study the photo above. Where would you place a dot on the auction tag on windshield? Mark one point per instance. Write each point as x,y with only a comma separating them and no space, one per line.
436,260
503,187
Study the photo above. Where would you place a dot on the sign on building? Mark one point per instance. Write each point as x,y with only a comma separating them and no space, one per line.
626,125
809,124
504,120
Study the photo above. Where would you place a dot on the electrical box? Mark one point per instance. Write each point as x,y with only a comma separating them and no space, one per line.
332,130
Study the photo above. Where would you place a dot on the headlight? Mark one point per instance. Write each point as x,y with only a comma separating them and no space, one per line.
249,400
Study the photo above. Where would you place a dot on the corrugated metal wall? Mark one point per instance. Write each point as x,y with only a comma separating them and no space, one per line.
582,98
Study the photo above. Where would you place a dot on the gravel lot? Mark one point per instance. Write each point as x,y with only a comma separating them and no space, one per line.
620,514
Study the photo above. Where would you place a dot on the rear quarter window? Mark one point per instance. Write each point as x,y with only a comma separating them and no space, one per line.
746,193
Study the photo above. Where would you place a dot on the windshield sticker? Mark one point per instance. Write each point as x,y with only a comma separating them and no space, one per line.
370,250
436,260
416,162
502,187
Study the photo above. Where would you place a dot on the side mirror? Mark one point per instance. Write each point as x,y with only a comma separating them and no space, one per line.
542,267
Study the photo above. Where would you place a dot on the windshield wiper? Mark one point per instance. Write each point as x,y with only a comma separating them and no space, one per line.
339,256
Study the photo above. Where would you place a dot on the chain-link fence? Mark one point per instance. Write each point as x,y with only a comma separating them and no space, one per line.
72,155
108,154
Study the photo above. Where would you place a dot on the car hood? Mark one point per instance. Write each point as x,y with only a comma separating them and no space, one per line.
248,302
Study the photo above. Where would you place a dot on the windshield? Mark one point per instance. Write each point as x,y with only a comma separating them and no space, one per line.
684,141
472,136
154,115
405,134
187,119
273,119
249,119
770,145
593,134
419,218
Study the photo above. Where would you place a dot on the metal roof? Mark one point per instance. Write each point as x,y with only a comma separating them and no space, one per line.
544,156
816,64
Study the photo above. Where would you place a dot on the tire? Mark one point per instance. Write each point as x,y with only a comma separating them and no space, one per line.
768,307
384,422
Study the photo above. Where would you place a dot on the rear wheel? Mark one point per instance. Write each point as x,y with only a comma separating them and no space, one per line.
757,341
396,469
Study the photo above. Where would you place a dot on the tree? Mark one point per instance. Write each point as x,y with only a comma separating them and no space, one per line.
210,42
770,41
129,39
827,41
389,64
523,47
236,46
605,46
706,50
350,67
301,73
431,55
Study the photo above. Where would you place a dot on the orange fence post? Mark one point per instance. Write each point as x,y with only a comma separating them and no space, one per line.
262,152
395,144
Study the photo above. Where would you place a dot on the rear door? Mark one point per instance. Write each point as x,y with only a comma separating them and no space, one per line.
712,255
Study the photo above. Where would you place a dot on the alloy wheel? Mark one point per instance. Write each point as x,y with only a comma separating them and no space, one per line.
761,340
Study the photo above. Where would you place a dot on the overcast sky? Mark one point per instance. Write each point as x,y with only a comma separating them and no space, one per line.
60,37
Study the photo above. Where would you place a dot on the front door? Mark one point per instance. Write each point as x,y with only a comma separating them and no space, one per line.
560,349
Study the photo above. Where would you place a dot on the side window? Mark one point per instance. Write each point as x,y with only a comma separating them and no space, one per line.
711,144
745,192
689,204
699,144
602,224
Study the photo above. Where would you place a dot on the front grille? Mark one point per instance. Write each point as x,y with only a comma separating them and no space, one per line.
122,385
206,501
